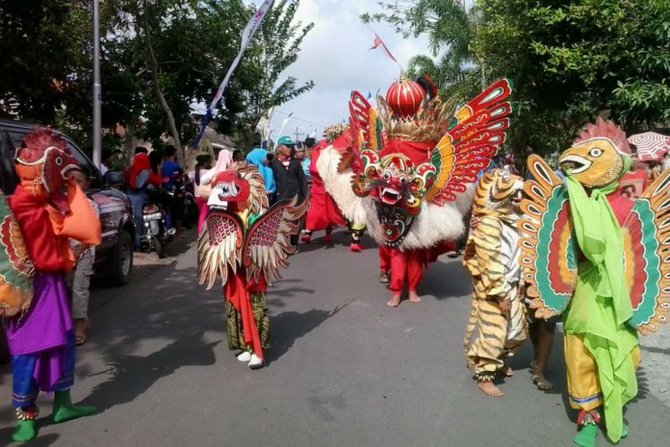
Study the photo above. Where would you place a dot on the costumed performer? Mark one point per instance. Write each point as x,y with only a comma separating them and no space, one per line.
497,324
224,160
41,339
415,169
246,244
597,257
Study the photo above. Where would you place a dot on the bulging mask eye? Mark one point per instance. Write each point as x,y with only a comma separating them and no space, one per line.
386,175
59,161
595,152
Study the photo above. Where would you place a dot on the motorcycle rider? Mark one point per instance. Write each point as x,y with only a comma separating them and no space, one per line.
140,176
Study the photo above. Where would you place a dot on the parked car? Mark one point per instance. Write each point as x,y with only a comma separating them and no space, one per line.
114,256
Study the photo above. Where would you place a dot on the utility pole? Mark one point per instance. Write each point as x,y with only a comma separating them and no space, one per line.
298,134
97,144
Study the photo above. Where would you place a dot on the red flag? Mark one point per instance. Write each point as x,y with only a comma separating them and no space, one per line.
378,41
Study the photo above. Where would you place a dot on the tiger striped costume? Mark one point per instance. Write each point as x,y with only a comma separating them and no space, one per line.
491,257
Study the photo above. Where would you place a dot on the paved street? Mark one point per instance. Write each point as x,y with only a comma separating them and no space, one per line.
344,370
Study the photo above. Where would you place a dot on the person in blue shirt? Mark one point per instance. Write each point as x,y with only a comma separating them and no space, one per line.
259,158
171,173
305,161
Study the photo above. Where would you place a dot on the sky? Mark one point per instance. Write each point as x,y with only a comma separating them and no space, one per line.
336,55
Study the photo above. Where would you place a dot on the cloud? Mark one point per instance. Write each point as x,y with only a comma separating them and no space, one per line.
336,56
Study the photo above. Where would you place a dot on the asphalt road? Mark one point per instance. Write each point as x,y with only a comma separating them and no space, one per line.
344,369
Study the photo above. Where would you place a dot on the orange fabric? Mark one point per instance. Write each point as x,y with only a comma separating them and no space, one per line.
81,223
49,252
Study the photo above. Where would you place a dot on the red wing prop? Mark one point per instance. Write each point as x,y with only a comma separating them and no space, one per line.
366,123
647,256
548,244
219,247
267,246
477,131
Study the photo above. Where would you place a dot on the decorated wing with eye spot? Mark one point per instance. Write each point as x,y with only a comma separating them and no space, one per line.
646,234
548,246
16,269
366,123
219,247
475,134
267,245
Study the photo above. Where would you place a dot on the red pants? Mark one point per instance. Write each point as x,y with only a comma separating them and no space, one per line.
402,264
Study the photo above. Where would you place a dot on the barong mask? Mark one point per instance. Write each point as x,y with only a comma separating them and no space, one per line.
397,187
415,151
43,164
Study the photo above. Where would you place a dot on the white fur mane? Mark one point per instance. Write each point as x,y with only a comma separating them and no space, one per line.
433,225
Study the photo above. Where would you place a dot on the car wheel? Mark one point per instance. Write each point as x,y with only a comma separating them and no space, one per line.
121,262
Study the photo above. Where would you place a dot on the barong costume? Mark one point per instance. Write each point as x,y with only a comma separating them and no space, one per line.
411,170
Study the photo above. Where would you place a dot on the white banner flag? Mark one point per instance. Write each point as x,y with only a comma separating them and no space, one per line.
264,124
247,34
284,123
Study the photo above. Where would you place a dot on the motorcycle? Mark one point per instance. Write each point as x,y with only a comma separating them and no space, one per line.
156,236
183,200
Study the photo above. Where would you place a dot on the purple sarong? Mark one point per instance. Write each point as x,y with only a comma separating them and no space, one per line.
43,330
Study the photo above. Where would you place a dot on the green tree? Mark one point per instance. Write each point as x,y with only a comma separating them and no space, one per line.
157,56
40,48
573,60
450,27
258,84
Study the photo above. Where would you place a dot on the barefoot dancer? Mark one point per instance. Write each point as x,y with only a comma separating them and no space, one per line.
413,171
542,336
491,256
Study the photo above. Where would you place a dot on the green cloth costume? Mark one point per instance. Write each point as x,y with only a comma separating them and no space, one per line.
601,303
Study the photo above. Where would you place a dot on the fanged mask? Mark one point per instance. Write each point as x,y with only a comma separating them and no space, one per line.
397,187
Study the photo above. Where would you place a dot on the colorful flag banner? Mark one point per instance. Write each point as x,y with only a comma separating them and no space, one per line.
380,43
247,35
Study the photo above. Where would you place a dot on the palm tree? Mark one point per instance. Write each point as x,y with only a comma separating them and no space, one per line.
450,26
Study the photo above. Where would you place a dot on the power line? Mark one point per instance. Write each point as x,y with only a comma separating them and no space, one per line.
294,117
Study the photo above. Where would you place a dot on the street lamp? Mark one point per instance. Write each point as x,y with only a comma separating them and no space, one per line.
97,149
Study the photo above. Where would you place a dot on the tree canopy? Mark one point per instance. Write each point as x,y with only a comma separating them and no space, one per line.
156,56
569,60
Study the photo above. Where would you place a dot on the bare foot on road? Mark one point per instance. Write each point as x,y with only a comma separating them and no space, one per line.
541,382
413,297
490,389
394,301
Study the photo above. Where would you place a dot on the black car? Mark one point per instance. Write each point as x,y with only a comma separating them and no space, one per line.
114,256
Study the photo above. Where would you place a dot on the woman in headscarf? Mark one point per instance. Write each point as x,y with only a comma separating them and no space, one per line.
223,163
203,163
259,158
